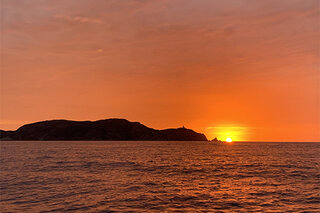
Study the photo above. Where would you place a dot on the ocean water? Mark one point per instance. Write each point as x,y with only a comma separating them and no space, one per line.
141,176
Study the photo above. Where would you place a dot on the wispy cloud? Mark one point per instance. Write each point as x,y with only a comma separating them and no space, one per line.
81,19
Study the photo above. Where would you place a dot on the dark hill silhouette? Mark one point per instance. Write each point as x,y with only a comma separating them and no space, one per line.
109,129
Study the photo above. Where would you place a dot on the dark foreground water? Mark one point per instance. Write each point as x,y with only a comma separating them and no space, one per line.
159,177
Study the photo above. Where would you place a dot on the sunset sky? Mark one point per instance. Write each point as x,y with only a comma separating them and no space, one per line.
244,69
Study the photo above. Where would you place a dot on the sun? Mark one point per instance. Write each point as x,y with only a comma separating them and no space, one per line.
229,140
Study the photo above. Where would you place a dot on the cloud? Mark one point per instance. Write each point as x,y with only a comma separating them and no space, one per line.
80,19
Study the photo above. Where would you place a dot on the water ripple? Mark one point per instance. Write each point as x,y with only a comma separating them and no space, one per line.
159,177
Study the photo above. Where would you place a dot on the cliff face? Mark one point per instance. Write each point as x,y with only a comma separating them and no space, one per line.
110,129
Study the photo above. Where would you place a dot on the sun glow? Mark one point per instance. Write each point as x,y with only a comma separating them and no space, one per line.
226,132
229,140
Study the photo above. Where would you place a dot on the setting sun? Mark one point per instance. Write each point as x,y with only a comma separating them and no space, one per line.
236,133
229,140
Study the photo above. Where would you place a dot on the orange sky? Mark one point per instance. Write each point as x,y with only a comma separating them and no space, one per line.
243,69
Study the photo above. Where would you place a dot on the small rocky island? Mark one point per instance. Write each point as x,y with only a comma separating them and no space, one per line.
216,140
109,129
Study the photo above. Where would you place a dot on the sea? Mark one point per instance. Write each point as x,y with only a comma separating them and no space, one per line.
154,176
